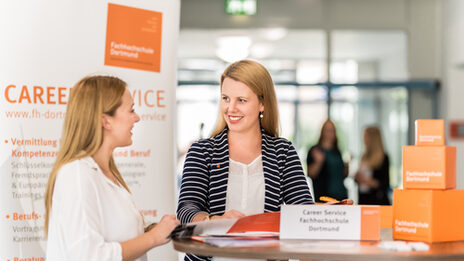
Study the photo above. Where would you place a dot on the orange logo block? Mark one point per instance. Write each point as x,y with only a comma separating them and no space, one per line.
133,38
428,215
430,132
429,167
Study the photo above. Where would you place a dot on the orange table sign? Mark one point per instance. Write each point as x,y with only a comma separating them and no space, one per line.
386,216
332,222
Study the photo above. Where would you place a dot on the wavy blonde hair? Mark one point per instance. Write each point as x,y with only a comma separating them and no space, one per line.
82,130
374,152
257,78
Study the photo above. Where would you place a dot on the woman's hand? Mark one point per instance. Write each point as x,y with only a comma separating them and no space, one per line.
346,201
358,177
367,181
314,168
230,214
161,231
318,155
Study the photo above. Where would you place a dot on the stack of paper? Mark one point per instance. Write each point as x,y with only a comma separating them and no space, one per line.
254,230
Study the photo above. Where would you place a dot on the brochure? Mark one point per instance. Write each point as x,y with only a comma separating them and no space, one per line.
259,225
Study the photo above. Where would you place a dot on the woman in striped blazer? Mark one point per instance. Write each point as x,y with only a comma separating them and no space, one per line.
244,168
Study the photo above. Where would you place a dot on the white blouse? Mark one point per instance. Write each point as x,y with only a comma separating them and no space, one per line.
90,215
245,191
245,188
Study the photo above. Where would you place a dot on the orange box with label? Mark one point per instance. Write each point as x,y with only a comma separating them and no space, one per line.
428,215
429,167
430,132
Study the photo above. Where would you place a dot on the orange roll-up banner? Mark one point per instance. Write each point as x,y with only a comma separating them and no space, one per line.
46,47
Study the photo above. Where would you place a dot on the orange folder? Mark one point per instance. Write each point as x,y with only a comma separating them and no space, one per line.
429,167
430,132
265,222
428,215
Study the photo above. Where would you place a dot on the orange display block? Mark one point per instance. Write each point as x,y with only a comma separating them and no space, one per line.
428,215
430,132
429,167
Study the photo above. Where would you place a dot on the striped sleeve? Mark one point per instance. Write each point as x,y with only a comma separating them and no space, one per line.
192,257
294,185
193,196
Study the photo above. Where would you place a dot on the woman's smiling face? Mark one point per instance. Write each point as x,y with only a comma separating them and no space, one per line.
240,106
123,121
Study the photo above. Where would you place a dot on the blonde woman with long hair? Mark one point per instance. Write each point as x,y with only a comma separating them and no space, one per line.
244,168
373,175
90,212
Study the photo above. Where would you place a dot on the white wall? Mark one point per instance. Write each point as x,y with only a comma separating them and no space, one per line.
452,105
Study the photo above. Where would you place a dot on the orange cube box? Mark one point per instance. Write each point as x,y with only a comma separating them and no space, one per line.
428,215
429,167
430,132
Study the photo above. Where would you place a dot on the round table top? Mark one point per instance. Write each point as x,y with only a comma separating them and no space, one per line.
325,250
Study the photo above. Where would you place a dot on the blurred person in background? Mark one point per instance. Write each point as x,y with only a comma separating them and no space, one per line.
373,175
325,165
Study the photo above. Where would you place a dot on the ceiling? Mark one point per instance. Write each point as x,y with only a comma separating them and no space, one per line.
279,43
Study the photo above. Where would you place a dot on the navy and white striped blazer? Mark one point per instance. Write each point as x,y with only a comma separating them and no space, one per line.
206,171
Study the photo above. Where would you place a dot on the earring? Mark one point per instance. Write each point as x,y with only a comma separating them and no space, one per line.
261,115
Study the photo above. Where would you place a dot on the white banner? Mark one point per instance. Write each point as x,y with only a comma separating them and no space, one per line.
46,47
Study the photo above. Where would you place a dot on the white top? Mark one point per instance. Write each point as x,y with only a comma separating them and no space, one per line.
366,171
90,215
245,191
245,187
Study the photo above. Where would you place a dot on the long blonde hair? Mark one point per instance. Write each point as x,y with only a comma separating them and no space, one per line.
82,130
258,79
374,152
